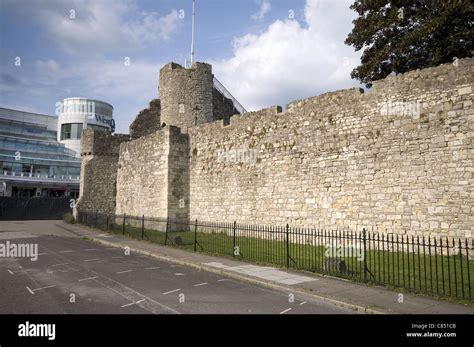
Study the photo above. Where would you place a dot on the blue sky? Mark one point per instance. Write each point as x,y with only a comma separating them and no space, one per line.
266,52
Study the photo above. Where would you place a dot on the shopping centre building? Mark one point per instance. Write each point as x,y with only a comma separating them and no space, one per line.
39,154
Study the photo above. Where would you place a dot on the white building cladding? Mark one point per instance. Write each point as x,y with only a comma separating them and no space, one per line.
76,114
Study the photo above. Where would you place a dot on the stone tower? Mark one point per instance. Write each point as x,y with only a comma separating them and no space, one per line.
186,95
100,154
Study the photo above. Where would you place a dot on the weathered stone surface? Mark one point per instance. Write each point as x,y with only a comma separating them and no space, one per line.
398,158
222,107
186,95
147,121
153,176
99,151
347,159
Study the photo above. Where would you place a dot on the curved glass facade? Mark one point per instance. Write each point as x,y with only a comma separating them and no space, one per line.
71,131
85,106
32,161
76,114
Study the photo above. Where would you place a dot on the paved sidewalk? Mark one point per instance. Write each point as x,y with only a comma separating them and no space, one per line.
340,292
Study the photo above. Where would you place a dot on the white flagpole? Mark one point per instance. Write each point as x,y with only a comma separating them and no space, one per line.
192,35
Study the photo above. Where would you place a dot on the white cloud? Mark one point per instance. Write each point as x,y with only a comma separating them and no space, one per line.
50,66
152,28
264,7
290,60
101,26
128,88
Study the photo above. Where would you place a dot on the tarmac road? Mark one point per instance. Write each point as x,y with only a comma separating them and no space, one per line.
74,275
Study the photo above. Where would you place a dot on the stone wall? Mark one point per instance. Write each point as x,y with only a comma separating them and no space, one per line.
99,152
147,121
186,95
178,176
142,184
223,108
397,159
153,176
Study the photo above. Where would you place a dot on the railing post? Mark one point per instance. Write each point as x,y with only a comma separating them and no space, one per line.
95,222
107,222
123,225
287,246
233,236
166,232
365,254
468,269
195,234
143,225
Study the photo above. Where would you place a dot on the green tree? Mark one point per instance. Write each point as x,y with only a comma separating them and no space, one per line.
403,35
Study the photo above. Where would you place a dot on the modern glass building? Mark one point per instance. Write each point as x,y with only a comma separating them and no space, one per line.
76,114
39,154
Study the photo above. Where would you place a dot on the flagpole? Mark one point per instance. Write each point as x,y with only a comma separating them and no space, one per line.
192,35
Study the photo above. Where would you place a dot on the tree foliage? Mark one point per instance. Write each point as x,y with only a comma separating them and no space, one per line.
403,35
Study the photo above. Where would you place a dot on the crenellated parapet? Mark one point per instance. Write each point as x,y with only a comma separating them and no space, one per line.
101,142
397,158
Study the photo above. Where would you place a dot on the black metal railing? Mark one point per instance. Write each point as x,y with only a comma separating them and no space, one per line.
438,266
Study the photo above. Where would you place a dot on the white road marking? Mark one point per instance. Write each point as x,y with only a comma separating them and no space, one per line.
152,306
201,284
59,264
30,290
66,251
34,290
92,259
152,268
222,280
122,272
88,278
302,303
11,272
288,309
179,274
133,303
171,291
174,265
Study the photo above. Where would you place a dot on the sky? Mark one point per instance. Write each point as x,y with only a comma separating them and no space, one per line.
266,52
